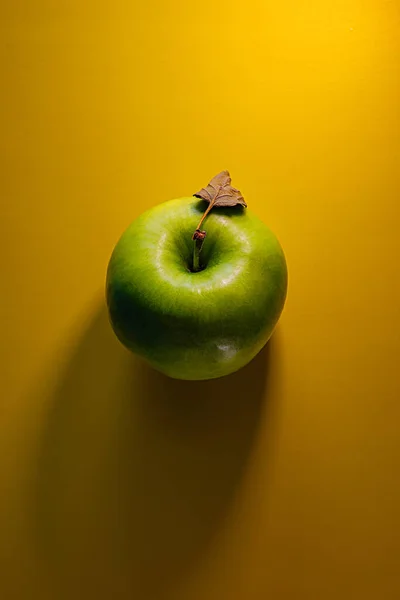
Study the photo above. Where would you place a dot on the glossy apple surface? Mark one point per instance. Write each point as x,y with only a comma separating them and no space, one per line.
199,325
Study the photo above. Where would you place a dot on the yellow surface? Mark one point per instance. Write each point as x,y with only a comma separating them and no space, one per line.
281,481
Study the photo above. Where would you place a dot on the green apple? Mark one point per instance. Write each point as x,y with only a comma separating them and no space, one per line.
203,322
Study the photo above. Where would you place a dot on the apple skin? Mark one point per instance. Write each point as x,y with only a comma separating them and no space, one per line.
200,325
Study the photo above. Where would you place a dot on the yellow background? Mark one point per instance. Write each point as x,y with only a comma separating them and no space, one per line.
281,481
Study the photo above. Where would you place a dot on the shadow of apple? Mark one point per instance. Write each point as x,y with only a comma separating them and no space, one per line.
136,472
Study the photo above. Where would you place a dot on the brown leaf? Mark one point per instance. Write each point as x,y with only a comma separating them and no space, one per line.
219,192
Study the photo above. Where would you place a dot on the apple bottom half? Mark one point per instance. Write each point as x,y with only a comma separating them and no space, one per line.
200,325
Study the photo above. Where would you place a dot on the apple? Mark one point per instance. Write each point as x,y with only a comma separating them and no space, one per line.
197,305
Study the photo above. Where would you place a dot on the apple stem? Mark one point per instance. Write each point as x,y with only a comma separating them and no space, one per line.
199,235
198,238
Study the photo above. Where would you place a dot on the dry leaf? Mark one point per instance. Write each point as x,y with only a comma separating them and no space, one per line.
219,192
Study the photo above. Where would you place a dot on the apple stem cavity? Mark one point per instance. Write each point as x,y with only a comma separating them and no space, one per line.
218,192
